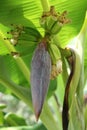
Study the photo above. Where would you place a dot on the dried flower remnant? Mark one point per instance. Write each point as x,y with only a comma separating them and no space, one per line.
52,21
56,69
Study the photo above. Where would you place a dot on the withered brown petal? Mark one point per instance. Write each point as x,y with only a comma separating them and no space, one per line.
40,77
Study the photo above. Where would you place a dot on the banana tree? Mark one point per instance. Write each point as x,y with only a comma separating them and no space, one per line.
42,59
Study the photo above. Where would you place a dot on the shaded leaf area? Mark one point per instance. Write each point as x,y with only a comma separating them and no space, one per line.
85,52
3,89
10,70
3,49
52,88
13,12
76,13
76,116
85,116
35,127
85,60
60,90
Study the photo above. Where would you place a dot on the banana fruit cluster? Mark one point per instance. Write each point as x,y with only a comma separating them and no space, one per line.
24,35
54,52
52,21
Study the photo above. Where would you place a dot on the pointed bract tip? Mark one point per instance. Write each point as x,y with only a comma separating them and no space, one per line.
37,118
37,114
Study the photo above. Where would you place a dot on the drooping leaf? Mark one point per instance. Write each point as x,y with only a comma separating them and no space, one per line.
76,116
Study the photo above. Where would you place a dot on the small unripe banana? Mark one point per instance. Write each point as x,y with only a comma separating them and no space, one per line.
54,53
24,33
52,21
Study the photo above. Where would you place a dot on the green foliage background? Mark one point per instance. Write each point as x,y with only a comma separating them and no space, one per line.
15,73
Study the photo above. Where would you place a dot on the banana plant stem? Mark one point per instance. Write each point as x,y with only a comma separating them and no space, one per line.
45,5
19,61
17,90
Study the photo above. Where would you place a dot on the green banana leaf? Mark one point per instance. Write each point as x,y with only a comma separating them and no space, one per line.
16,71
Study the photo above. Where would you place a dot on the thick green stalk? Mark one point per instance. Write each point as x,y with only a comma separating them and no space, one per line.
57,112
1,118
19,91
48,119
76,76
45,5
24,69
64,73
